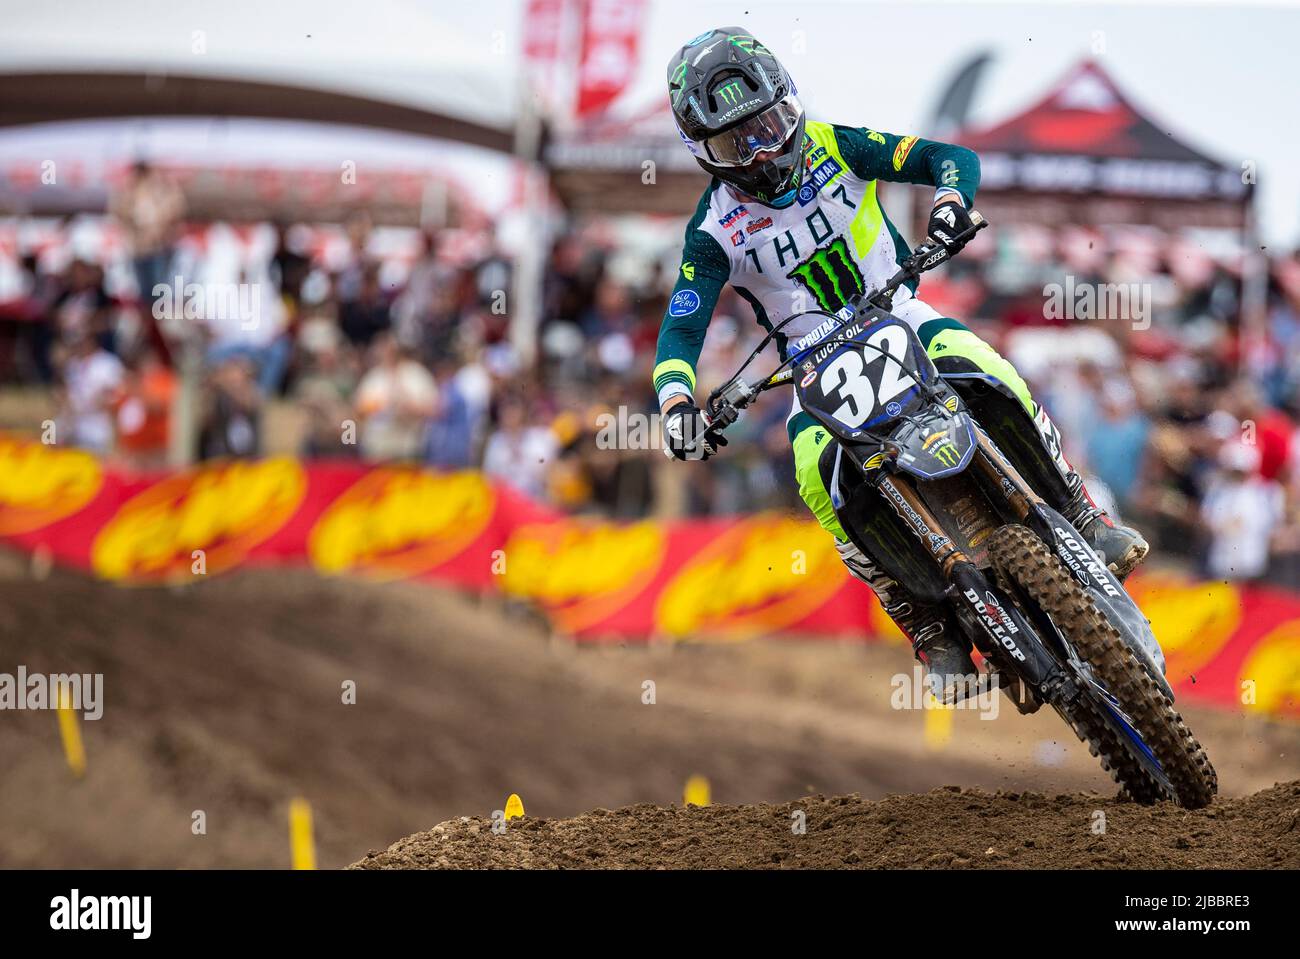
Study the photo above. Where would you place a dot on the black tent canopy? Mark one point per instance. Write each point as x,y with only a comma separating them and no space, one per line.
1085,154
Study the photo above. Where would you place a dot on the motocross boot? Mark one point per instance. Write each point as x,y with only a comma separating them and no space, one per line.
1122,548
936,641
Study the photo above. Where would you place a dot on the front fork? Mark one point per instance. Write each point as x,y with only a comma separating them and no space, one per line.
1000,631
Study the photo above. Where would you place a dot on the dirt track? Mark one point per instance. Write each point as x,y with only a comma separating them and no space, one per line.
946,828
225,698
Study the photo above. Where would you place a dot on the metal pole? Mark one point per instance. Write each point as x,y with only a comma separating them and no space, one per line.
526,294
1254,293
183,438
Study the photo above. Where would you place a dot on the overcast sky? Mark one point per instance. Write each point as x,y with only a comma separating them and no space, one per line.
1221,76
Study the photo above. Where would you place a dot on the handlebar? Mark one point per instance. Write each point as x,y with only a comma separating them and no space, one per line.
725,403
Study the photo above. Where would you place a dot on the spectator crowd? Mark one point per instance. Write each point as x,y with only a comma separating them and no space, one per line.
389,345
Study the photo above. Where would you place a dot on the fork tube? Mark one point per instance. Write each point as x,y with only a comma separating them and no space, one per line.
923,523
1004,476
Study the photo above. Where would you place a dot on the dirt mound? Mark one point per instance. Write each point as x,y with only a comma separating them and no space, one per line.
946,828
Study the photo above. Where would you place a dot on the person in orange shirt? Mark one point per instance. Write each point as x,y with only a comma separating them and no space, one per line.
143,411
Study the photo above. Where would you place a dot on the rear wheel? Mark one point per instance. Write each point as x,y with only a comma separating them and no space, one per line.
1026,566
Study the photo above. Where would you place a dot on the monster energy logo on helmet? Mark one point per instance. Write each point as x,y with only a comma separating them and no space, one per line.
730,94
721,83
830,274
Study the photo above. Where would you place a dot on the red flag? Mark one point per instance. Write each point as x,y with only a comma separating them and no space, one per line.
607,63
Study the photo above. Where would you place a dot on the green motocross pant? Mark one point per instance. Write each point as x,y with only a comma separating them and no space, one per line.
942,338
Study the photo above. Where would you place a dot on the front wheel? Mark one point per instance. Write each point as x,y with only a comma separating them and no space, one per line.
1164,760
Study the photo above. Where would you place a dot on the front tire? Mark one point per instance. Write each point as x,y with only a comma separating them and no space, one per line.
1026,565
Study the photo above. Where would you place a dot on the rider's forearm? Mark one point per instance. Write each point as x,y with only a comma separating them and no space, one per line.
873,155
949,168
681,335
703,272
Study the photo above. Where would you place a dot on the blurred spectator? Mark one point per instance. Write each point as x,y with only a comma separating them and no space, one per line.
232,420
367,314
519,452
450,440
324,390
143,410
91,379
149,206
81,305
419,314
1117,441
1241,511
246,320
289,269
395,399
1269,429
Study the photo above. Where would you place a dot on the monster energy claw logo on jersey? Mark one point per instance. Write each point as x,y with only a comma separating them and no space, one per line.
830,274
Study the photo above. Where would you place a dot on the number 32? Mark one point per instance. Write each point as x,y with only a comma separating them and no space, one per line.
846,377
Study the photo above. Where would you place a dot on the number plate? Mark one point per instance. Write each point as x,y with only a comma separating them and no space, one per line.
861,378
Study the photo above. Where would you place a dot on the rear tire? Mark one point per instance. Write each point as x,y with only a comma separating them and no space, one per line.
1025,563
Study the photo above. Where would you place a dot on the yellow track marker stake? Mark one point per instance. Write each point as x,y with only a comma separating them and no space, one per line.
696,792
938,723
301,845
70,732
514,807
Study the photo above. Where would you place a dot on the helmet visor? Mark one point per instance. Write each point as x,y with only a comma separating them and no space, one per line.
763,132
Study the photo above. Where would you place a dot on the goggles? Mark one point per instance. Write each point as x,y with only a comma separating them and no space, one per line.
763,132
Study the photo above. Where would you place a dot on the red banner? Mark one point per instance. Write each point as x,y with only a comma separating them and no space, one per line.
544,47
608,56
543,24
762,575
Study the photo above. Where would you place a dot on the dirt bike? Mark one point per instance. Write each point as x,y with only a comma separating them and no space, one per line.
922,488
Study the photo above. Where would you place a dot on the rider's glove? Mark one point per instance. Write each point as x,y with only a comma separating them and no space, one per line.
687,435
948,220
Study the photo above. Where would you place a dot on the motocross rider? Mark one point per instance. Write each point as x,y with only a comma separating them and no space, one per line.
792,220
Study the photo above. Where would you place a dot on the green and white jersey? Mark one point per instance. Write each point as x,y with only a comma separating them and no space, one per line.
832,242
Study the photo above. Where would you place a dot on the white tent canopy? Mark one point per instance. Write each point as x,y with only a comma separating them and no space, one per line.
440,60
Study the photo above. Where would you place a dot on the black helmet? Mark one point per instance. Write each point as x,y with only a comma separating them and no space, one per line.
732,99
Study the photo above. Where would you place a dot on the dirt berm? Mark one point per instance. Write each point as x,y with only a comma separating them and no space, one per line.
946,828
